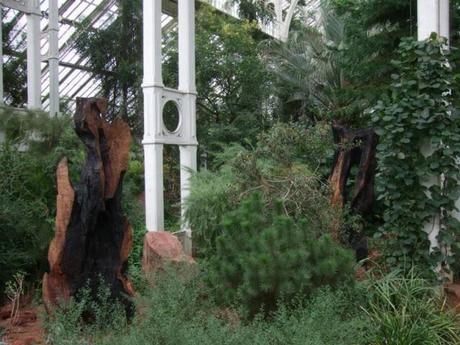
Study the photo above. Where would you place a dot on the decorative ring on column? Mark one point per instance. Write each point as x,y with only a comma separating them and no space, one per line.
171,117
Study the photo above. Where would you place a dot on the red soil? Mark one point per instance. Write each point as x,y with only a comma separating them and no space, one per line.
26,329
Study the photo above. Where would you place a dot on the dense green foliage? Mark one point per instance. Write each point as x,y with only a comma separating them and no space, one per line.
264,258
232,81
14,67
27,201
69,324
373,30
285,165
310,80
419,133
180,309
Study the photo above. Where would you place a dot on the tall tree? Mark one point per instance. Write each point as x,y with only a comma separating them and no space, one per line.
115,56
14,67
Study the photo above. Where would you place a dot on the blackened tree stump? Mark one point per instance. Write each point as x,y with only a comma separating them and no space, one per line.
93,238
355,148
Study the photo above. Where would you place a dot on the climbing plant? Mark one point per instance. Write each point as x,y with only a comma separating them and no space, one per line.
418,154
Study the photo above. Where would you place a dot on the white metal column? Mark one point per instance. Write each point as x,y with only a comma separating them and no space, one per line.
53,58
187,85
33,56
155,97
1,56
433,16
152,86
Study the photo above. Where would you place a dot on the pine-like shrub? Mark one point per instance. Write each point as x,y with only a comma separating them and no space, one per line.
264,259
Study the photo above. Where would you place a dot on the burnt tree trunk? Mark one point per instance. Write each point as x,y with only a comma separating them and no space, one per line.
93,238
356,147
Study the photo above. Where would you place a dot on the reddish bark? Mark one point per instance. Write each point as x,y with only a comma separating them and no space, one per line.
356,147
93,238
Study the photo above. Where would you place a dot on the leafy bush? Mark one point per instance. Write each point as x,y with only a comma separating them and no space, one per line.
410,311
24,213
262,258
285,165
179,311
84,317
33,145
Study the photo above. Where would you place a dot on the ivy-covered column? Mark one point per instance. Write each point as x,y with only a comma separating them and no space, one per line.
419,146
433,17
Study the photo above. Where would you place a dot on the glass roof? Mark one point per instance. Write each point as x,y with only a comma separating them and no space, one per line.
74,76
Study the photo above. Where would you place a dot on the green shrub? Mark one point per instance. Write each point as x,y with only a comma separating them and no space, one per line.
262,259
24,214
34,143
283,166
410,311
84,318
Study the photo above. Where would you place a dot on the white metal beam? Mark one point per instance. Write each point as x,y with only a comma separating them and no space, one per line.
152,86
53,58
155,97
433,16
24,6
187,85
33,56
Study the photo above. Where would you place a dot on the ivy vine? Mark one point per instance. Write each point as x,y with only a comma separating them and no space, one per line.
419,131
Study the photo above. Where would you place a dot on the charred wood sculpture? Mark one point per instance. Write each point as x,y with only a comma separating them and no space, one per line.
355,147
93,238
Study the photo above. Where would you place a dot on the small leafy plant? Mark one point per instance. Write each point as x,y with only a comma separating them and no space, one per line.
14,290
85,318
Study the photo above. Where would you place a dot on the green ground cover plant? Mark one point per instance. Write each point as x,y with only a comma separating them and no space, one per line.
180,310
